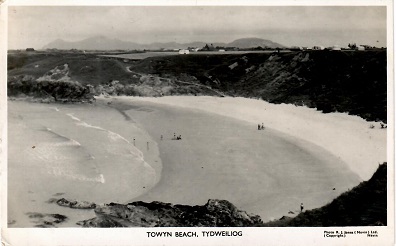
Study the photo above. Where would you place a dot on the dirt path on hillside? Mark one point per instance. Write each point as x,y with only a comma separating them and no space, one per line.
170,81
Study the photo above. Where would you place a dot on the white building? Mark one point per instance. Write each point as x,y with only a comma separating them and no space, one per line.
318,48
184,52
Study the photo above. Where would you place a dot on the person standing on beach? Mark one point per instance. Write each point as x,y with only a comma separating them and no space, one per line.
162,137
302,207
262,126
258,127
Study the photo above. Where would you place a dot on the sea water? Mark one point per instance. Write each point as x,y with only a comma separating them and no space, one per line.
81,152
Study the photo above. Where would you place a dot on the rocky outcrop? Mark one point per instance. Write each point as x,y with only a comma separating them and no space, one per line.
75,204
46,220
215,213
48,90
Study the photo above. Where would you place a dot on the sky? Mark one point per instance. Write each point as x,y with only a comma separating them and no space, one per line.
36,26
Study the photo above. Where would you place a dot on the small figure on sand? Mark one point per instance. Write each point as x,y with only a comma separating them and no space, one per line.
162,137
176,137
134,142
260,127
302,207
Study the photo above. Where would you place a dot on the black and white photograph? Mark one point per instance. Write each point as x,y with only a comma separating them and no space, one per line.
198,124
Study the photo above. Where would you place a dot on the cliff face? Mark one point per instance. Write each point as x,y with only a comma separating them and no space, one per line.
215,213
49,91
55,85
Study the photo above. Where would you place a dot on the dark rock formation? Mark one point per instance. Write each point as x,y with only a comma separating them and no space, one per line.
46,220
76,204
215,213
49,91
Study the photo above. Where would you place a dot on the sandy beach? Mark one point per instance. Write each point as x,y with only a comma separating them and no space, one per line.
112,151
264,172
346,136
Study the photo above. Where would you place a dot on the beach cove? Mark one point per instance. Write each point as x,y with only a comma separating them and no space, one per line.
221,154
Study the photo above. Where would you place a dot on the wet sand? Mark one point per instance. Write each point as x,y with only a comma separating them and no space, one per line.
263,172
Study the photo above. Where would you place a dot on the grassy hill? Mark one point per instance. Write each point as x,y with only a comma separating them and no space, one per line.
353,82
85,68
343,81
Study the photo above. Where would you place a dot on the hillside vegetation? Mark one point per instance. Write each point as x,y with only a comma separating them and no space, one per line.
353,82
343,81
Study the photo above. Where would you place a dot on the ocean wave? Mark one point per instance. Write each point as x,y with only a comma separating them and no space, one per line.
72,142
73,117
118,146
111,135
78,177
54,108
84,124
67,142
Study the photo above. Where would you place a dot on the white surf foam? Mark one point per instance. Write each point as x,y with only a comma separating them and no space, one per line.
54,108
113,136
73,117
70,142
78,177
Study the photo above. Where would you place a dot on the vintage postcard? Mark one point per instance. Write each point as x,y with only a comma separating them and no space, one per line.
197,123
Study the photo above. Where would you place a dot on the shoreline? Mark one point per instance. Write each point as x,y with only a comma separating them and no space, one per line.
268,173
332,131
193,170
84,151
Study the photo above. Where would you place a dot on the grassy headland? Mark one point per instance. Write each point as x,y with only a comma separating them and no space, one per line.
342,81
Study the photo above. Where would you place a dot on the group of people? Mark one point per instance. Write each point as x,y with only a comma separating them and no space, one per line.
176,137
260,127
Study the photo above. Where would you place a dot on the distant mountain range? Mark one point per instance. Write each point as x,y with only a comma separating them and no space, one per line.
104,43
